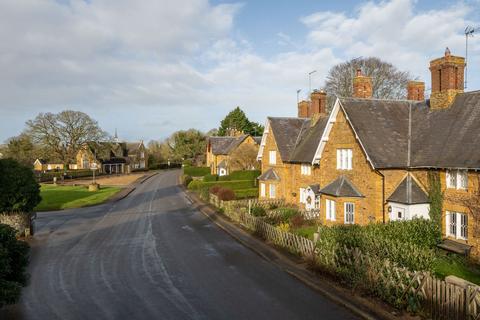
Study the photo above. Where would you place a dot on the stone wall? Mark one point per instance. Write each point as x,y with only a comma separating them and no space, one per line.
19,221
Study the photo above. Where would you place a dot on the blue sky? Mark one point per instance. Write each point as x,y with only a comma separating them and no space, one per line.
152,67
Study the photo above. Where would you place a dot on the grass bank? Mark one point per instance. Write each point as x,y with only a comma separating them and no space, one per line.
67,197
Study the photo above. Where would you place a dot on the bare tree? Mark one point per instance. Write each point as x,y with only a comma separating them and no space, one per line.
64,133
244,157
388,82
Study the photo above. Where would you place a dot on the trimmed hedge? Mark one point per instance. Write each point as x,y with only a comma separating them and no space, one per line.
14,256
196,171
234,185
246,193
210,177
409,244
245,175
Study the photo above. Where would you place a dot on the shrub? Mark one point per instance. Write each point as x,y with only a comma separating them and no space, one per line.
13,264
285,227
245,175
224,178
258,211
186,180
272,206
18,189
215,189
195,185
297,220
246,193
204,194
234,185
226,194
287,213
210,177
196,171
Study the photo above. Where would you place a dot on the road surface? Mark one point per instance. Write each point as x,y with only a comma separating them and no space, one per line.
151,256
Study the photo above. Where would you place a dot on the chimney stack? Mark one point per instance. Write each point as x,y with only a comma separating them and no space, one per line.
303,109
362,86
447,80
318,99
416,90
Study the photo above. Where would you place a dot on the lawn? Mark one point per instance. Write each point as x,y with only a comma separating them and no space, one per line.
306,231
455,265
65,197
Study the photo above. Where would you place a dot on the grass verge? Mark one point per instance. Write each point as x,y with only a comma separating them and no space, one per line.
67,197
455,265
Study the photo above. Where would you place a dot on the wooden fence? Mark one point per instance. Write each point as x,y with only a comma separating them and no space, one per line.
398,286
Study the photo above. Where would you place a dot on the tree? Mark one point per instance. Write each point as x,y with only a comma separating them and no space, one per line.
388,82
238,121
13,264
22,149
19,192
187,145
244,157
64,133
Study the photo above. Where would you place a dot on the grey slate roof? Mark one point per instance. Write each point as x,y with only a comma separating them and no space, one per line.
258,140
269,175
296,139
408,192
222,164
448,138
315,188
341,187
223,145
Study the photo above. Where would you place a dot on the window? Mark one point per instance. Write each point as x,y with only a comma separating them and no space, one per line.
457,225
302,195
344,159
262,190
306,169
349,212
330,209
142,154
457,179
272,191
272,157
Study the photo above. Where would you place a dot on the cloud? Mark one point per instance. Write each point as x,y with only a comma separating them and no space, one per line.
152,67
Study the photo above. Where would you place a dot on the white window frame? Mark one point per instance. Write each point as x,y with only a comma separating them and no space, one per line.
456,225
344,159
349,212
330,210
457,179
306,169
272,157
272,191
263,190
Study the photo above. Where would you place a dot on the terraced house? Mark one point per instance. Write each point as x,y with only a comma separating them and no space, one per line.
369,159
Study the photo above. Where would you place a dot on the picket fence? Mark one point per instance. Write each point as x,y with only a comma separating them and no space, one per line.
400,287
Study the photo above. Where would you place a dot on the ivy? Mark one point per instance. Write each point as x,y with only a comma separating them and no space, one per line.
435,195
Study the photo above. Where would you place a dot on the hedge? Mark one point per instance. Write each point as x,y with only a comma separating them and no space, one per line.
210,177
409,244
245,175
246,193
234,185
196,171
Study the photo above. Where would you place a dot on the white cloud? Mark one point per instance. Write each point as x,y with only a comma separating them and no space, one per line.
152,67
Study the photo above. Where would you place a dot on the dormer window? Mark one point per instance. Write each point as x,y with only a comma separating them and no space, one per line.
306,170
457,179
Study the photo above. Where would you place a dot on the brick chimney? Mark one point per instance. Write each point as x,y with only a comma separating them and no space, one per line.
362,86
318,99
447,80
416,90
303,107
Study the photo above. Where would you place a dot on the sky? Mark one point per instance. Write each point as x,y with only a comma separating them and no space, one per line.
152,67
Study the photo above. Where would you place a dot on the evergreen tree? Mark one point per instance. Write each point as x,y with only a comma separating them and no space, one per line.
238,121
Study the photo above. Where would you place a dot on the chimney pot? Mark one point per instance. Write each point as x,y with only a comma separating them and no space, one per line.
362,86
416,90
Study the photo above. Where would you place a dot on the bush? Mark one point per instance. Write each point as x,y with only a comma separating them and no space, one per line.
163,166
409,244
226,194
195,185
246,193
234,185
13,264
297,220
272,206
258,212
287,213
224,178
19,192
215,189
245,175
210,177
186,180
196,171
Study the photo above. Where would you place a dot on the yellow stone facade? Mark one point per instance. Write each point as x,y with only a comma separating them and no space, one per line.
213,160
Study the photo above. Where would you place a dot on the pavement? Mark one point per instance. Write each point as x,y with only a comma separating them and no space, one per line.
154,255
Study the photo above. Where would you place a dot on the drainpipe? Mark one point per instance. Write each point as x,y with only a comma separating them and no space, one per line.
383,194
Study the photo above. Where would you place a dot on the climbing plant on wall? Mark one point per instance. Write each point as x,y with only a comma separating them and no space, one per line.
435,195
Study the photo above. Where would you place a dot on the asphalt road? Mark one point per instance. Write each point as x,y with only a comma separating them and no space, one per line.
150,256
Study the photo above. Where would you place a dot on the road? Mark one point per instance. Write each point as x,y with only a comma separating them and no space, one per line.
151,256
